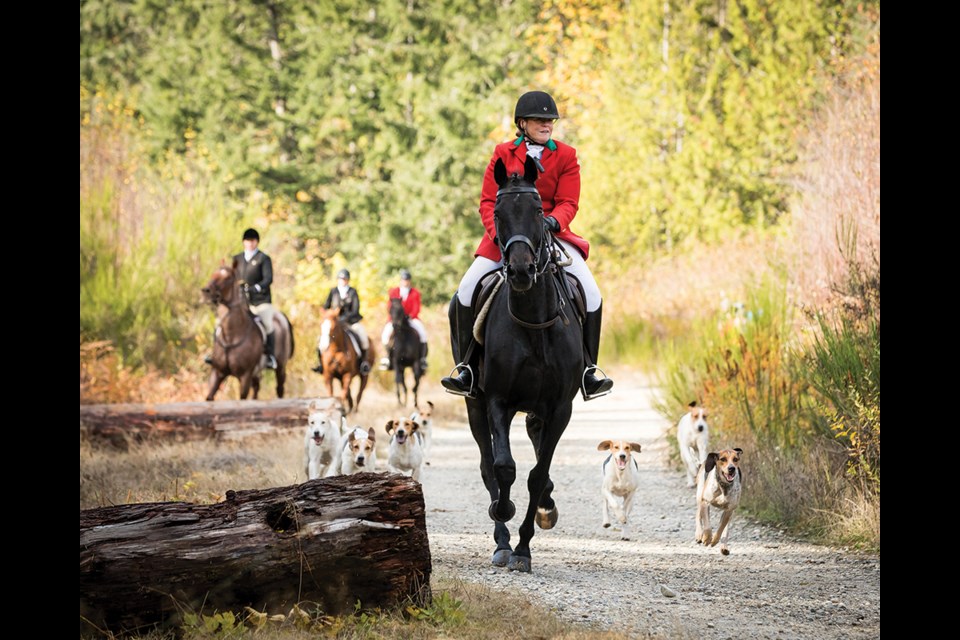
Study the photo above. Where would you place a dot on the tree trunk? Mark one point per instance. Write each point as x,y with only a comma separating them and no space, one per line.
196,420
327,543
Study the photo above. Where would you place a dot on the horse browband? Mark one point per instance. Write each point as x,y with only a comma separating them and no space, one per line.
518,189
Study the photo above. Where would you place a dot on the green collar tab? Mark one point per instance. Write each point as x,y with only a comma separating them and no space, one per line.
550,143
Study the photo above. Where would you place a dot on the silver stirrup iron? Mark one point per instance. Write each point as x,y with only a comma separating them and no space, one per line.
473,381
583,389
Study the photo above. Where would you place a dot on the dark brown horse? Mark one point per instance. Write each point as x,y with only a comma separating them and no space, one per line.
238,340
339,355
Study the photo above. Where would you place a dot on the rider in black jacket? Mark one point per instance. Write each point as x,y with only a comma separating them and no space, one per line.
346,298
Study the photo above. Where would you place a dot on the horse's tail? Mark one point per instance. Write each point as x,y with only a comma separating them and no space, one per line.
290,326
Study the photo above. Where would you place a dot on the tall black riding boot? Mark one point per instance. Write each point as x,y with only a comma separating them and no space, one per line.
461,335
423,356
319,367
593,387
268,348
364,365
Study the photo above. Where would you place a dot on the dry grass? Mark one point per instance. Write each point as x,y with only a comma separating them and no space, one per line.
460,610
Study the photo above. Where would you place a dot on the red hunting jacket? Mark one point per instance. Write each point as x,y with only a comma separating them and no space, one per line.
411,305
559,187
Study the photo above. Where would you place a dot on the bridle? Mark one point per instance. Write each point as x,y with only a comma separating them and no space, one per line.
537,248
542,251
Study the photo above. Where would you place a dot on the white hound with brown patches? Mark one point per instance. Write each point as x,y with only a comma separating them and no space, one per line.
718,485
321,443
621,478
406,447
359,452
424,417
693,438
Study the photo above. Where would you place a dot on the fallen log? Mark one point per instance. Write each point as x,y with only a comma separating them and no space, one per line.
332,542
226,419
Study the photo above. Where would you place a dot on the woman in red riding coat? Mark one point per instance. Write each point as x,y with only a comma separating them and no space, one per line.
409,297
559,188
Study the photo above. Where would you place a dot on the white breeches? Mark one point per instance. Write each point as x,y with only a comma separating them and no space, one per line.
414,322
265,312
481,266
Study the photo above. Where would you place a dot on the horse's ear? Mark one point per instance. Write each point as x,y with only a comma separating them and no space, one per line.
530,173
500,173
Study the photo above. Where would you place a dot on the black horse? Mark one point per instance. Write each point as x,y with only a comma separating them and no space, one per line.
533,348
405,352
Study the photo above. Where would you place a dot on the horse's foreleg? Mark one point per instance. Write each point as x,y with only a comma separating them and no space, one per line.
416,386
363,385
550,433
245,383
256,385
504,467
345,397
281,379
399,382
481,434
216,379
547,514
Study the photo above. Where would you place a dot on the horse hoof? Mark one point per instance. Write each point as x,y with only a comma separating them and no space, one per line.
512,511
519,563
501,557
546,519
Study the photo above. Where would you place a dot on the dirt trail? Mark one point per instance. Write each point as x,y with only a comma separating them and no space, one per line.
771,586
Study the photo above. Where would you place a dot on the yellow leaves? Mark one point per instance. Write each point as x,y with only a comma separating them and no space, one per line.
303,196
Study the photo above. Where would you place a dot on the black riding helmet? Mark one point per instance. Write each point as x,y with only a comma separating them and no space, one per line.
535,104
251,234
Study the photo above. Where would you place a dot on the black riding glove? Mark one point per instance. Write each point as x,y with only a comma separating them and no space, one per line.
551,223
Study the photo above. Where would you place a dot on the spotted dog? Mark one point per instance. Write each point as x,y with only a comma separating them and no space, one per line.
718,485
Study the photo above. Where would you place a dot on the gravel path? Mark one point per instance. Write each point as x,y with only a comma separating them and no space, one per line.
771,586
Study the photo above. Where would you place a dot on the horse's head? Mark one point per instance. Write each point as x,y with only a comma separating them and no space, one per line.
221,285
397,315
518,218
328,326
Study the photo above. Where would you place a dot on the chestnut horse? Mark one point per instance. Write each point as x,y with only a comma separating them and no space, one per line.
238,341
340,355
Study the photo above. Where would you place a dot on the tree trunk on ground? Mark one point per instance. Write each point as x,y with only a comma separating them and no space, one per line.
327,543
195,420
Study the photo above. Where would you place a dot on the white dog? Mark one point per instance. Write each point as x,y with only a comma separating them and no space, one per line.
621,478
718,485
321,443
358,452
693,438
406,447
424,417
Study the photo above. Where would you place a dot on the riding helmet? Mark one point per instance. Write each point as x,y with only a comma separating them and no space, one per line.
404,274
343,273
535,104
251,234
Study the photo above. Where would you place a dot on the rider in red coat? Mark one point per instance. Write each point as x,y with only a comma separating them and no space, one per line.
410,299
559,188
